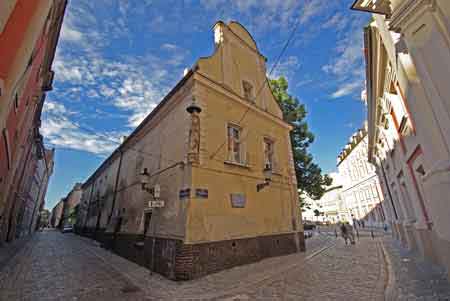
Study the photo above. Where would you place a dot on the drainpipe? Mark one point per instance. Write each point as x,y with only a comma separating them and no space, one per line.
89,205
389,190
116,184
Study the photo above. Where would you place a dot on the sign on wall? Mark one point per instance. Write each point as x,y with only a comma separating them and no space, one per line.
237,200
184,193
156,204
201,193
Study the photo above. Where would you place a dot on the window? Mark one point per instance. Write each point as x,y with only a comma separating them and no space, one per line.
16,102
268,154
248,90
7,147
234,144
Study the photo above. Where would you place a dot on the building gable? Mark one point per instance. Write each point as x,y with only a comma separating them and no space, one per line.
238,66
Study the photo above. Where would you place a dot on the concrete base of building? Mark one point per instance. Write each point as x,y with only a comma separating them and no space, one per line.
177,260
425,242
441,249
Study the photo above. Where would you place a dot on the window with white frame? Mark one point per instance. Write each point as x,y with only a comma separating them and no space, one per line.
234,144
268,153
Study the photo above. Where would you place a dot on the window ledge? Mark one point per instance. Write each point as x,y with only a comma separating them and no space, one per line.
243,165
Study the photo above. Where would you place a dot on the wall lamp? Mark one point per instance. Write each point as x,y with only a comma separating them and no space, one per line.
267,178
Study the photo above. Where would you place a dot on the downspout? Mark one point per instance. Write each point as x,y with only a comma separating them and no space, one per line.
116,184
389,190
89,205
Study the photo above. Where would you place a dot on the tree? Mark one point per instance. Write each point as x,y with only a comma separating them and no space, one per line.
310,180
317,212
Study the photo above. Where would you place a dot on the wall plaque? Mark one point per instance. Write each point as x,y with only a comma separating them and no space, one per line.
237,200
201,193
184,193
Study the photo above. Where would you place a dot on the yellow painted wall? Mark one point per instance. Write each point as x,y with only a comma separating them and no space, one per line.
269,211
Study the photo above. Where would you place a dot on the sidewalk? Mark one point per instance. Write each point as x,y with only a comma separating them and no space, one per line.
412,278
9,250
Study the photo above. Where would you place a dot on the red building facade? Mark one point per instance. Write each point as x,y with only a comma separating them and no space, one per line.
29,31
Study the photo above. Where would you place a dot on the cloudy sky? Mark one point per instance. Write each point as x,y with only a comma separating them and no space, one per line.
116,59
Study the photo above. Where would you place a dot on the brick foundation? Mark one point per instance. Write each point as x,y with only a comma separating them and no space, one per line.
178,261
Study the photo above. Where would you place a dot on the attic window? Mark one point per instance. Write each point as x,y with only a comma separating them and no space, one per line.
248,90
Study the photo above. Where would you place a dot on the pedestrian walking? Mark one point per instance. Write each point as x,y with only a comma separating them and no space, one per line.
344,232
350,233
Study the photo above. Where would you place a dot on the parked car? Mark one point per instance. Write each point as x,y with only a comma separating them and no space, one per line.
308,226
67,229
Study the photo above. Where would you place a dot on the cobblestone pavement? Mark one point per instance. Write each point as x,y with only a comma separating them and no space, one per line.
413,278
53,266
56,266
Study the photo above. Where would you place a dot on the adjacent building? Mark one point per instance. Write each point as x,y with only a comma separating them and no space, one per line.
71,201
56,215
361,196
407,48
327,208
29,31
207,180
34,190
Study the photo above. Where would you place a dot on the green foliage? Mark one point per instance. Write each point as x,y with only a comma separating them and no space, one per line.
310,180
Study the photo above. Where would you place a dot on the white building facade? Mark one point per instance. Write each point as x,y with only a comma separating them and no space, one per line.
361,196
407,49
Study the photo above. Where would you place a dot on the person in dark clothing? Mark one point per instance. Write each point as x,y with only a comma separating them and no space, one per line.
344,232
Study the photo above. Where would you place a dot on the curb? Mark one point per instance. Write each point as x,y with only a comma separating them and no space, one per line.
389,292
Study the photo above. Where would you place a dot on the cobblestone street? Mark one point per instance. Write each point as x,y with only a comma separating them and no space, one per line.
54,266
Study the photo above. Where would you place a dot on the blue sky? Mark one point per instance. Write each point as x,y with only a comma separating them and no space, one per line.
116,60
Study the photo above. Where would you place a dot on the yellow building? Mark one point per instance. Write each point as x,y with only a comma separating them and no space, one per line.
218,171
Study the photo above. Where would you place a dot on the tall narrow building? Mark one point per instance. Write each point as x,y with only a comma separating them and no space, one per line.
29,31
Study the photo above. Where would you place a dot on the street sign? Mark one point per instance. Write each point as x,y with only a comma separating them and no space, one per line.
156,204
237,200
185,193
201,193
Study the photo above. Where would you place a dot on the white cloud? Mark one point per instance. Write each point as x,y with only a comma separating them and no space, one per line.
70,34
168,46
346,89
59,131
337,22
54,107
347,65
286,67
312,8
107,91
349,52
261,13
